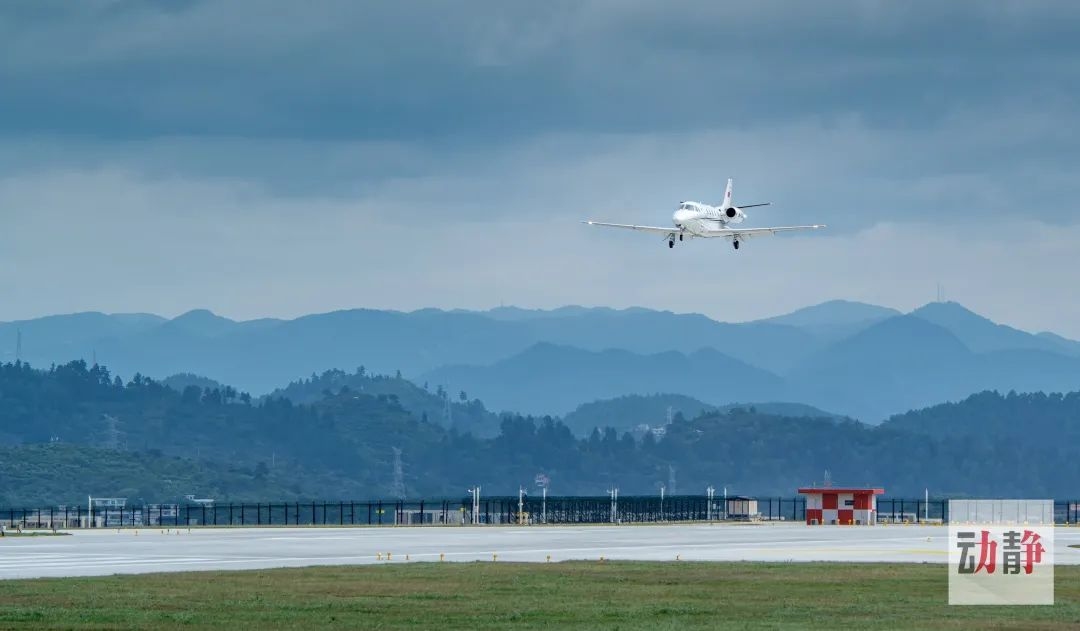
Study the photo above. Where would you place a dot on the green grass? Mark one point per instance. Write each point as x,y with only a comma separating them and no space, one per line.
580,595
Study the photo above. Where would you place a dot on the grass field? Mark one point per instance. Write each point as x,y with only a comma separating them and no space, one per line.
581,595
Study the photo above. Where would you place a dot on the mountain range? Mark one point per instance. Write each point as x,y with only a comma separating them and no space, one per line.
849,358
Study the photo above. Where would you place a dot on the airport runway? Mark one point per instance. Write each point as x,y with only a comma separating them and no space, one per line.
103,552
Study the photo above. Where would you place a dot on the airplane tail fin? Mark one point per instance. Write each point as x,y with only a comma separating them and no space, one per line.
727,203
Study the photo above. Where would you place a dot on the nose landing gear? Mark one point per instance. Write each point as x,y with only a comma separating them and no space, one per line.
671,244
736,244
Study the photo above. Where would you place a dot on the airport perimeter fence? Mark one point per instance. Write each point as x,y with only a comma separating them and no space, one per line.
459,512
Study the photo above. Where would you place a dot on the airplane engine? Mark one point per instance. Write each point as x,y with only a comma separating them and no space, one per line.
734,215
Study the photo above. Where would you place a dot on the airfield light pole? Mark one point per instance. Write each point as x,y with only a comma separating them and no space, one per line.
521,495
725,502
475,492
708,506
614,493
542,481
926,505
661,502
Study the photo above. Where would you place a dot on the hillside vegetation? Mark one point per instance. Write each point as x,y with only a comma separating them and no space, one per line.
73,430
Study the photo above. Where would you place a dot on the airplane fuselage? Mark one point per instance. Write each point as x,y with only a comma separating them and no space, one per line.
697,219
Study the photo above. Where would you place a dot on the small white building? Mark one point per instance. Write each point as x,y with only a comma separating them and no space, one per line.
742,508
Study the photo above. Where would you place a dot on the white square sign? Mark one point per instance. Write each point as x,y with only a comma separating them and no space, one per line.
1008,559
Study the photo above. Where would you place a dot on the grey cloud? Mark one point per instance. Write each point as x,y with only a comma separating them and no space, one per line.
488,70
134,245
264,158
845,173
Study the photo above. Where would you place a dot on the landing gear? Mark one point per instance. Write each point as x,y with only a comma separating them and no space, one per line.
671,244
736,244
680,237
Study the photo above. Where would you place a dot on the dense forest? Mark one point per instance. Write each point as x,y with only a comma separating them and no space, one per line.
450,409
74,430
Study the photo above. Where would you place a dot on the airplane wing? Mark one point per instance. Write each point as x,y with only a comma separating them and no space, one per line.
746,233
655,229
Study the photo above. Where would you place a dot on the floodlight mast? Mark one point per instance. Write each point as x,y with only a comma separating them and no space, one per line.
542,481
475,492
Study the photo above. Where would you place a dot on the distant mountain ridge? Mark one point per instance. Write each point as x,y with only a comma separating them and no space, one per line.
552,379
850,358
834,312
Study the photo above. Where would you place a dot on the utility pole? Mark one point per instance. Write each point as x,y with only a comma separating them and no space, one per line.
521,504
614,493
708,506
725,503
661,502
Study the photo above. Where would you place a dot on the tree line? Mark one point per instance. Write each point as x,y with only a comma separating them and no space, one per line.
73,430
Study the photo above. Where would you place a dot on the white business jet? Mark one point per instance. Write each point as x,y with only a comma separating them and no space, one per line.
695,219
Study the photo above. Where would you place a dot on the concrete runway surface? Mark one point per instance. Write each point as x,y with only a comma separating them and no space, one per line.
104,552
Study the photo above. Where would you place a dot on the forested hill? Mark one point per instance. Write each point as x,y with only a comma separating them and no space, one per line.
75,430
312,448
453,410
1052,419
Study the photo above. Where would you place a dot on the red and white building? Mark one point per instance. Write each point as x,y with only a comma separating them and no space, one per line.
841,506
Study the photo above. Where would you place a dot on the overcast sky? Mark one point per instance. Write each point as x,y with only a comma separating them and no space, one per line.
275,158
